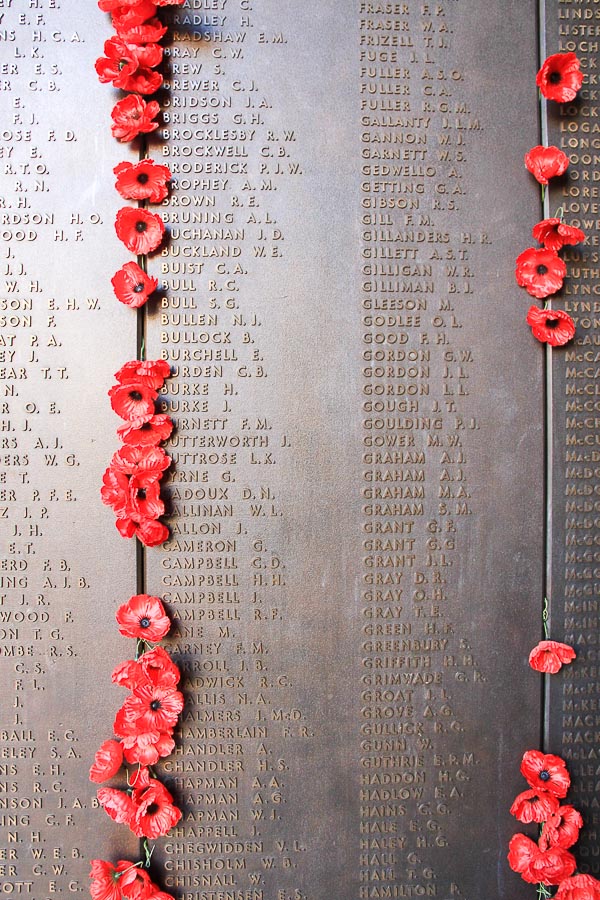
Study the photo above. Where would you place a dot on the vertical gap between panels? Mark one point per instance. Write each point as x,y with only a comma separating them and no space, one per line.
548,412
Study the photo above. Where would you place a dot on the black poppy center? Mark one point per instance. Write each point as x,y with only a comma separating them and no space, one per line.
122,64
141,494
552,323
142,178
141,226
555,78
138,288
152,809
145,622
544,775
135,395
156,705
146,427
541,270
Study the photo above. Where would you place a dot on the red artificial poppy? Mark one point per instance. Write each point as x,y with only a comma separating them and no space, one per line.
108,880
578,887
148,32
137,884
144,180
147,748
159,669
118,64
143,81
134,400
554,234
132,286
534,806
155,813
550,656
560,77
149,532
128,674
143,617
133,116
545,772
151,371
117,804
143,501
126,17
112,5
107,761
151,708
146,433
537,866
151,461
551,326
546,162
140,230
540,272
149,55
115,490
562,828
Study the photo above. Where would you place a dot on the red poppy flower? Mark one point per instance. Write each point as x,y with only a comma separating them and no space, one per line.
534,806
132,286
126,17
143,500
146,433
551,326
117,804
546,162
560,77
137,884
540,272
151,371
536,866
112,5
140,230
149,532
579,887
562,828
134,400
554,234
149,55
118,64
107,761
159,668
550,656
148,32
143,81
143,617
545,772
147,748
128,674
115,490
155,813
133,116
144,180
107,880
152,708
151,461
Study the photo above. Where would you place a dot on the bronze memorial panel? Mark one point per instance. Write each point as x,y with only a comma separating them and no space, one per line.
361,535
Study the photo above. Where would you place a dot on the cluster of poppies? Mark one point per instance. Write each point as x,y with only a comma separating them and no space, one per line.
125,881
548,861
540,270
131,483
144,728
129,64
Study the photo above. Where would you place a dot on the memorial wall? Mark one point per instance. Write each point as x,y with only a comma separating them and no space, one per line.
380,479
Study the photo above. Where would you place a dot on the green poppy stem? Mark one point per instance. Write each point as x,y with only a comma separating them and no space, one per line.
545,618
148,850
